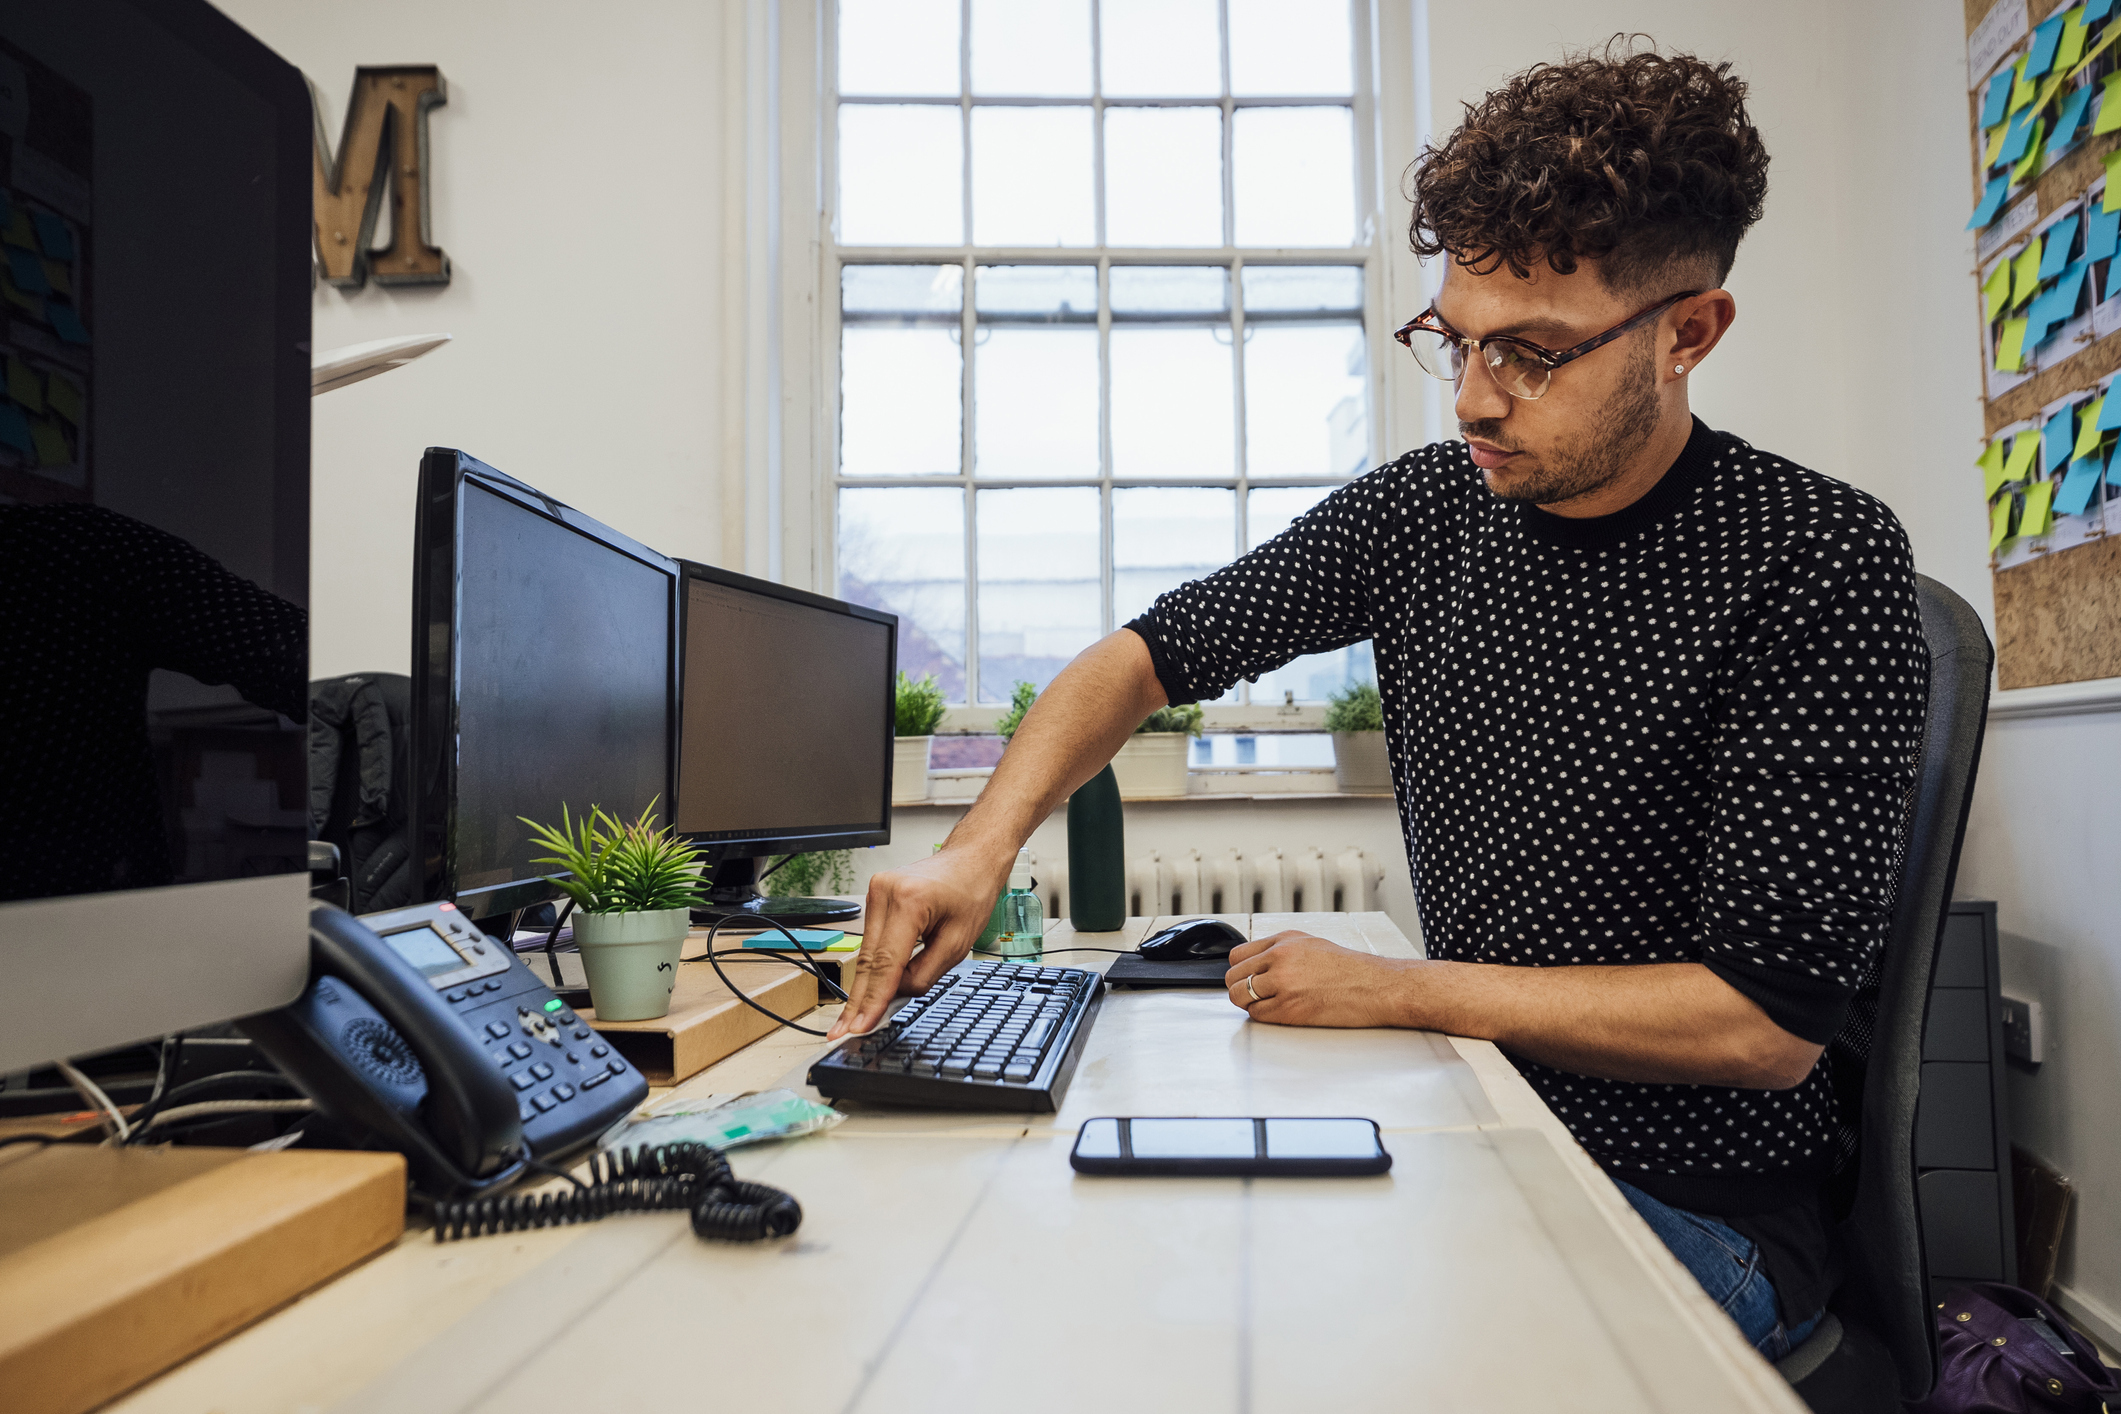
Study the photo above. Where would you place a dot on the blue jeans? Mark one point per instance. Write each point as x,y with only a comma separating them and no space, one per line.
1727,1264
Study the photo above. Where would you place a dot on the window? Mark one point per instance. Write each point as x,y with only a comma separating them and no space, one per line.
1104,320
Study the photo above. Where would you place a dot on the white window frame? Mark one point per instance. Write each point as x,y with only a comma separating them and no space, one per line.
1390,117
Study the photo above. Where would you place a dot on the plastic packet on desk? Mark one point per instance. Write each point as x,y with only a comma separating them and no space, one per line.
726,1123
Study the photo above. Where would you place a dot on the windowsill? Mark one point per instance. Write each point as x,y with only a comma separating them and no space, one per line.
960,787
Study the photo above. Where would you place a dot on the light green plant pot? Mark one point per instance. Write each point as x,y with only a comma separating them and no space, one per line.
631,960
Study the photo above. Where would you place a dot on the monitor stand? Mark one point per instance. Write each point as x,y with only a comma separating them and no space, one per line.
733,890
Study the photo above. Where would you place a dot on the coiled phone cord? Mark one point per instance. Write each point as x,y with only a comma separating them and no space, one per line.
651,1178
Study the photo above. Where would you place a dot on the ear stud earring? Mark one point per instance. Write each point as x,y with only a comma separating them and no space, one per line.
1679,368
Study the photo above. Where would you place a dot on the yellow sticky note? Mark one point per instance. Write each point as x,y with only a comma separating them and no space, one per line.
2112,202
2021,459
2035,520
2025,277
2088,433
1997,290
25,385
1999,524
1995,142
63,398
2010,349
51,443
2030,163
2109,118
1991,464
60,278
2071,47
2022,89
29,304
18,230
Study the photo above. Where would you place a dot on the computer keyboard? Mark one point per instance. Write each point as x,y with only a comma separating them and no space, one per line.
986,1036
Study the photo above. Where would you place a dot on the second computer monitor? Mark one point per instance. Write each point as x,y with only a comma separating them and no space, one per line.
787,720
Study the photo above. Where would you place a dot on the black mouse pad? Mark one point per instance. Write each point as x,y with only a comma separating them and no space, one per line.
1134,970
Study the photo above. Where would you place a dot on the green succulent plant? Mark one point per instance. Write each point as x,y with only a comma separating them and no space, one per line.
1185,719
615,867
1356,709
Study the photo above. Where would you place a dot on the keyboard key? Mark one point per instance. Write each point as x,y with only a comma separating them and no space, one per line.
1018,1072
988,1070
955,1067
1036,1036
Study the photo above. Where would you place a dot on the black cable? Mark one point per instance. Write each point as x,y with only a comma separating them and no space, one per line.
648,1179
770,869
801,958
552,957
26,1139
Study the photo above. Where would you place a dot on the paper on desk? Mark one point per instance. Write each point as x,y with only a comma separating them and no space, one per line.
724,1121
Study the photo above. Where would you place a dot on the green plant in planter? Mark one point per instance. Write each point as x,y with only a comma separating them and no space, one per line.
920,706
826,871
1185,719
1356,709
617,867
1020,699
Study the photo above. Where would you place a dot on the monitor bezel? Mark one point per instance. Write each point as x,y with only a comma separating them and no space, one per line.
438,526
715,846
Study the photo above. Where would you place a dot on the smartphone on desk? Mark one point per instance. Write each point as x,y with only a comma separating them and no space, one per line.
1210,1147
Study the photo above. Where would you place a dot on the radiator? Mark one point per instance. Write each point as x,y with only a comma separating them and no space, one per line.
1278,879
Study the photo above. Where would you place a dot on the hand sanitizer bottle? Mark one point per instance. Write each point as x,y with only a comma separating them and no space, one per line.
1023,932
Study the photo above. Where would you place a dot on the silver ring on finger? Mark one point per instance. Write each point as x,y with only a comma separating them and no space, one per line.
1252,990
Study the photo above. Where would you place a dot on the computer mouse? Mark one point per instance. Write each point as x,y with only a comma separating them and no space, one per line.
1191,941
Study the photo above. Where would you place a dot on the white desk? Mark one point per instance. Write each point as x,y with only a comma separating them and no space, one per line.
952,1262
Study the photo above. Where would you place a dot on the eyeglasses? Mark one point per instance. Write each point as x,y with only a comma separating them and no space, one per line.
1521,369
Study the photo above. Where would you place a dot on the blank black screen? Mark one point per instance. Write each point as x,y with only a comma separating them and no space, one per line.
563,684
787,717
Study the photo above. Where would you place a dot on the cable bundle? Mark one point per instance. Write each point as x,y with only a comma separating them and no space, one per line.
658,1178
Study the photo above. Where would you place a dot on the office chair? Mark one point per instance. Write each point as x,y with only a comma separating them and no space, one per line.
1878,1344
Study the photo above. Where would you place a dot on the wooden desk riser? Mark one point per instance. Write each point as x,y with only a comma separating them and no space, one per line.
955,1262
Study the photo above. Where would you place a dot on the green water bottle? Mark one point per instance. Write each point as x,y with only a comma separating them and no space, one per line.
1023,916
993,929
1097,856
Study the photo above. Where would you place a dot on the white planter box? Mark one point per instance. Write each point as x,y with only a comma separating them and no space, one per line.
909,769
1152,765
1360,764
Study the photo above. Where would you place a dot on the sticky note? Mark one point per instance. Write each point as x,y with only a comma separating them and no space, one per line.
2054,245
25,384
1996,290
1994,152
2030,163
1991,202
66,324
51,443
2087,428
18,230
28,271
2025,274
2047,38
12,293
2022,88
1999,93
2102,233
2096,10
58,277
2070,115
2068,286
2010,350
2109,108
2071,46
2077,487
2112,201
14,430
2034,519
63,398
809,939
2017,135
1999,523
52,236
1991,464
2056,439
2021,458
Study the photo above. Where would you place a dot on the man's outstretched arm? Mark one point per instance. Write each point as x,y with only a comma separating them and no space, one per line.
1067,737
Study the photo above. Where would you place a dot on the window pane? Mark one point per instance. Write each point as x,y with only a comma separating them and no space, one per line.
1317,677
1306,400
1056,292
1031,180
1293,176
892,47
1039,600
1170,289
901,401
901,175
1301,288
1031,48
910,290
902,549
1171,403
1160,49
1290,48
1269,510
1164,176
1163,536
1311,749
1035,392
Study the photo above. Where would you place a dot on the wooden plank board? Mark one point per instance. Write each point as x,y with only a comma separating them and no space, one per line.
2058,617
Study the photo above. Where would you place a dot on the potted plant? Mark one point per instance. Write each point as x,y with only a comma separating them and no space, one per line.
1021,696
633,888
919,711
1356,717
1152,765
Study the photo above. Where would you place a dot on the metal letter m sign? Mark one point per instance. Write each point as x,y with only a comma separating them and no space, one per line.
384,145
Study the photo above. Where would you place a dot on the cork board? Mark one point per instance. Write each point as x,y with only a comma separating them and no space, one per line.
2058,615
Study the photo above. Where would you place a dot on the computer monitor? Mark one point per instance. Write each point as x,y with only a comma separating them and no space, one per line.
544,675
787,727
154,523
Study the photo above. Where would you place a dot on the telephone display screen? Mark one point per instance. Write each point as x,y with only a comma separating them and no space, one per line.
425,949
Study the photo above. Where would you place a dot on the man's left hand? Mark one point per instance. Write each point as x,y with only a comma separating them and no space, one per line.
1301,980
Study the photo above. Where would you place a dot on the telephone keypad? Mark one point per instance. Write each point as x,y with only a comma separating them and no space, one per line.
519,1050
590,1082
543,1102
521,1080
498,1029
563,1092
542,1071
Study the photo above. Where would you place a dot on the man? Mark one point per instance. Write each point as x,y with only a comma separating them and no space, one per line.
1653,697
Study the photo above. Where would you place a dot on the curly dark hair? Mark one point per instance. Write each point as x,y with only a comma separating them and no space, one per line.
1634,159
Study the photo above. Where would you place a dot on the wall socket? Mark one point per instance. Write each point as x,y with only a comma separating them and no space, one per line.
2023,1034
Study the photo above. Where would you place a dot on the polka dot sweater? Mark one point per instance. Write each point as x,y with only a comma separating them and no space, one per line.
1683,732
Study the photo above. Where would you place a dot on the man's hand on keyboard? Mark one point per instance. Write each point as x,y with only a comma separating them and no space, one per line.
1302,980
939,906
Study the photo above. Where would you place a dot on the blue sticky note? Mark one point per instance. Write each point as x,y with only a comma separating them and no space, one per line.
2042,55
1991,199
809,939
2017,138
2068,288
2069,116
52,235
2110,415
28,271
2102,233
66,324
2054,253
2056,440
2095,11
2077,487
1999,94
14,430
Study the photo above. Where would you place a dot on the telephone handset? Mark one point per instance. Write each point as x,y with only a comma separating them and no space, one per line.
419,1029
